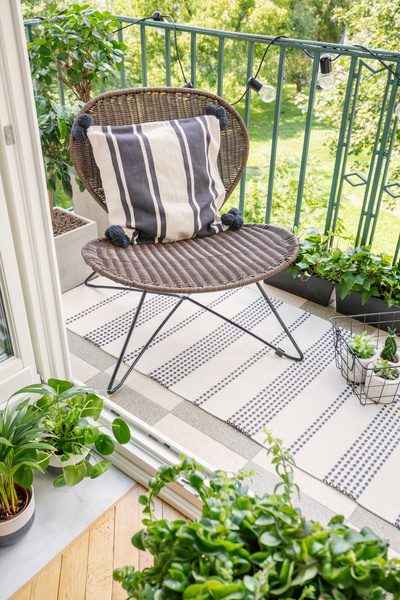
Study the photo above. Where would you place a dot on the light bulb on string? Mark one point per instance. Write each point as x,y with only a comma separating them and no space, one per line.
266,92
398,111
326,79
157,16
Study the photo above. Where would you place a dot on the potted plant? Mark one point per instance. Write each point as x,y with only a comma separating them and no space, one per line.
360,351
71,232
382,383
78,49
367,283
22,451
308,276
389,350
251,547
70,421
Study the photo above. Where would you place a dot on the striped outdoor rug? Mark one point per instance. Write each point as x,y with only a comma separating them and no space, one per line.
227,373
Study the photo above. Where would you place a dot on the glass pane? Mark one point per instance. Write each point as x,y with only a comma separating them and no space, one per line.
5,338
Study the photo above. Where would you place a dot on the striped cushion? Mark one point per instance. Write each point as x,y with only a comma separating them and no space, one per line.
161,179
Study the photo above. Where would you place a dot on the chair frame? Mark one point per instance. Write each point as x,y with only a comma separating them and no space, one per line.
83,159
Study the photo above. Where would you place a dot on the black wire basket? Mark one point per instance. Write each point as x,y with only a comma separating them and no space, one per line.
373,381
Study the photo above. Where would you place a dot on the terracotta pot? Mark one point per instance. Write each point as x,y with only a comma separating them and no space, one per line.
13,529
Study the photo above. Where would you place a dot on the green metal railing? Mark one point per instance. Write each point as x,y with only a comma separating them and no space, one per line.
374,182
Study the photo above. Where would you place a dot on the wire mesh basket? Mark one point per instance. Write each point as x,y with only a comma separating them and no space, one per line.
367,353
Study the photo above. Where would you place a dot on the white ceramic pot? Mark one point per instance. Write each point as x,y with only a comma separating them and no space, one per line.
56,465
16,527
379,389
355,369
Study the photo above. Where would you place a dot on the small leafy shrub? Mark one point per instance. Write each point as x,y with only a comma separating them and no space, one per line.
254,547
69,420
384,369
363,345
315,256
22,451
389,350
78,48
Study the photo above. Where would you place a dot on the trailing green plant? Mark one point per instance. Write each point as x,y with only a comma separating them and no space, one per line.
389,350
78,48
70,419
254,547
363,345
382,368
22,451
315,255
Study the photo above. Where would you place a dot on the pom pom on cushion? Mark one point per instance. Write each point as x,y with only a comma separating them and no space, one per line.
83,122
219,112
233,219
117,236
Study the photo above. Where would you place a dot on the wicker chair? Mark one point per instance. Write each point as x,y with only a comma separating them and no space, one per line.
219,262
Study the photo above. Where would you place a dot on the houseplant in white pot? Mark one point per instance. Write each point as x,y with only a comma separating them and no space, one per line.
382,384
22,451
70,420
389,351
360,351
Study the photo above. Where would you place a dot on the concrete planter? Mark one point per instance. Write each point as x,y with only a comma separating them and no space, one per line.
71,266
86,206
380,390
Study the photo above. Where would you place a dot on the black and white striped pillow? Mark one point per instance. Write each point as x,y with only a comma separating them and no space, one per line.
161,179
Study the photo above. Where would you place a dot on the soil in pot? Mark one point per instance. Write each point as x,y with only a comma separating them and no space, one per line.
314,288
65,221
23,498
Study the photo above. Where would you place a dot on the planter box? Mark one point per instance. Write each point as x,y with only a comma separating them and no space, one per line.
352,305
315,289
86,206
71,266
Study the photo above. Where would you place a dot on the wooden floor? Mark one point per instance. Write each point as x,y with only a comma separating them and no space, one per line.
84,570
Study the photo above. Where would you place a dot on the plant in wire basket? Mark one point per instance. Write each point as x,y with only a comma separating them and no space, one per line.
382,384
360,350
389,350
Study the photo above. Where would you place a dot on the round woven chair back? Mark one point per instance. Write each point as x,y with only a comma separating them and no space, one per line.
144,105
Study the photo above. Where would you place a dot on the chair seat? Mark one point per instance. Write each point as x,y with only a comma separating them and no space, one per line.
222,261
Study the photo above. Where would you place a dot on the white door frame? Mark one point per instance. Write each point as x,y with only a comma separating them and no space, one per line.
24,184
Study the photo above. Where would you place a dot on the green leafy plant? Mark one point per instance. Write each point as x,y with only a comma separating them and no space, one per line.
315,255
55,124
254,547
70,420
384,369
22,451
363,345
389,350
76,47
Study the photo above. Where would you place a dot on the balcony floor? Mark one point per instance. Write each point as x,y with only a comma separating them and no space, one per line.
214,440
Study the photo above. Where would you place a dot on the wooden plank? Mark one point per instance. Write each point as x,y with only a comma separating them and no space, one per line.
45,584
127,522
74,569
99,581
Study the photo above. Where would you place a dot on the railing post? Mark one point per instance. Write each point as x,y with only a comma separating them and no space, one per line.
246,116
306,141
193,48
167,57
221,51
143,53
122,72
275,133
343,146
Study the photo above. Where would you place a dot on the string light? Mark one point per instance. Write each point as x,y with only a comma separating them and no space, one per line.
326,79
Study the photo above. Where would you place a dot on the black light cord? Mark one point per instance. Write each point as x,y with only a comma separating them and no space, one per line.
270,43
131,24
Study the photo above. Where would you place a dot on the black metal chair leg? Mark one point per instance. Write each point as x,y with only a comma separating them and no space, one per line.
279,351
113,388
